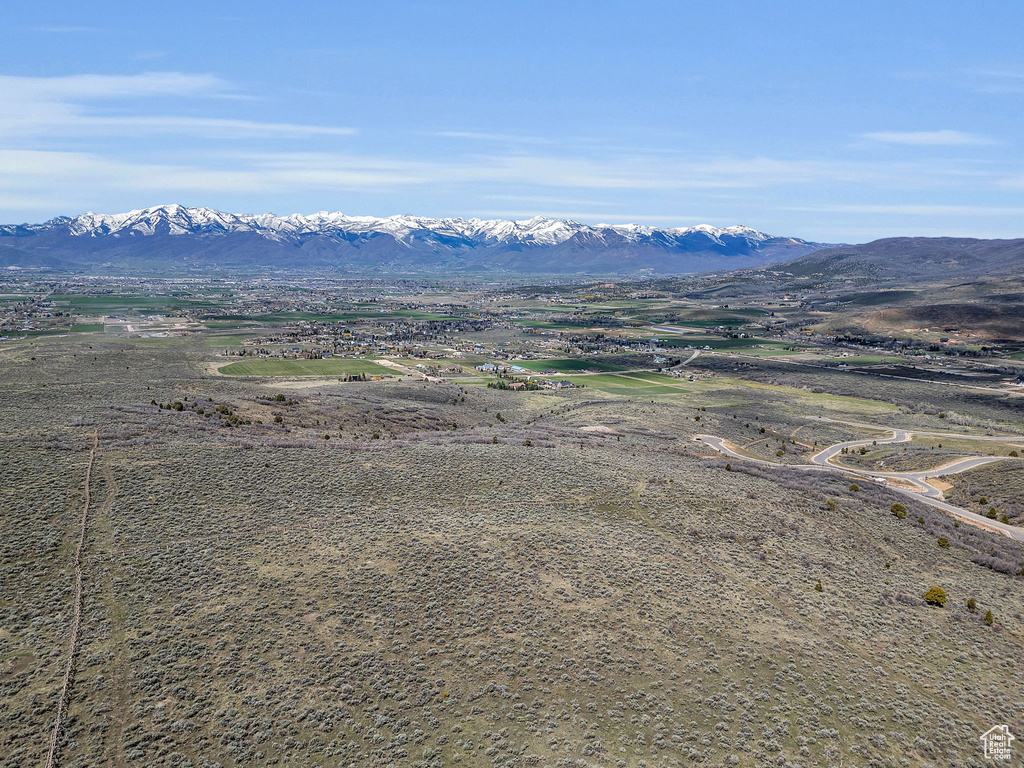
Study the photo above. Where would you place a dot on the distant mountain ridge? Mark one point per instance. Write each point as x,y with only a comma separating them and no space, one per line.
175,236
915,258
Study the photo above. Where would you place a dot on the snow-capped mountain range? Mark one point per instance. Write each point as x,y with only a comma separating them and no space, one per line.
194,237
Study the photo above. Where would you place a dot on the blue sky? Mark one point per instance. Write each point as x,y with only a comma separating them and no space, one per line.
830,121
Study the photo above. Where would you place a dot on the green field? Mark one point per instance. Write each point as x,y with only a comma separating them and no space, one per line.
130,304
568,365
548,325
336,317
215,325
288,317
631,384
332,366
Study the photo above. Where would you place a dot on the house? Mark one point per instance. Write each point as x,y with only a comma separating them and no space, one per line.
997,741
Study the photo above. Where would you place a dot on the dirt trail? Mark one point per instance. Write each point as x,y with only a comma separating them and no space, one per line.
69,669
103,540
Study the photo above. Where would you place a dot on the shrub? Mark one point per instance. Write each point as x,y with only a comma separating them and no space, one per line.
1014,455
989,618
728,467
992,513
935,596
972,605
943,542
854,487
818,586
899,510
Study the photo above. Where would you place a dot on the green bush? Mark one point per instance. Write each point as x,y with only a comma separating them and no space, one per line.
972,605
899,510
935,596
943,542
854,487
989,618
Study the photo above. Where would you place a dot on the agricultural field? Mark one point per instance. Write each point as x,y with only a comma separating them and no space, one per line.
279,566
574,365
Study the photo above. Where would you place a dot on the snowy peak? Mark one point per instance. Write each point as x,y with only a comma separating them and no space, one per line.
168,236
539,231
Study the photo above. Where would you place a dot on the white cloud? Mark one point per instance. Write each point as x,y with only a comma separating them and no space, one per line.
86,87
201,126
32,172
57,106
944,138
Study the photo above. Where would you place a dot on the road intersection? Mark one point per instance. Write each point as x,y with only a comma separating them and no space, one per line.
912,484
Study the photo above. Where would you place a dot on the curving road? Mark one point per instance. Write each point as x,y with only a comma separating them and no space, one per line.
922,491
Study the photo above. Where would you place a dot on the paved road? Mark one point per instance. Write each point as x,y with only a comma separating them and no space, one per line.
690,359
952,435
922,491
672,329
826,456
